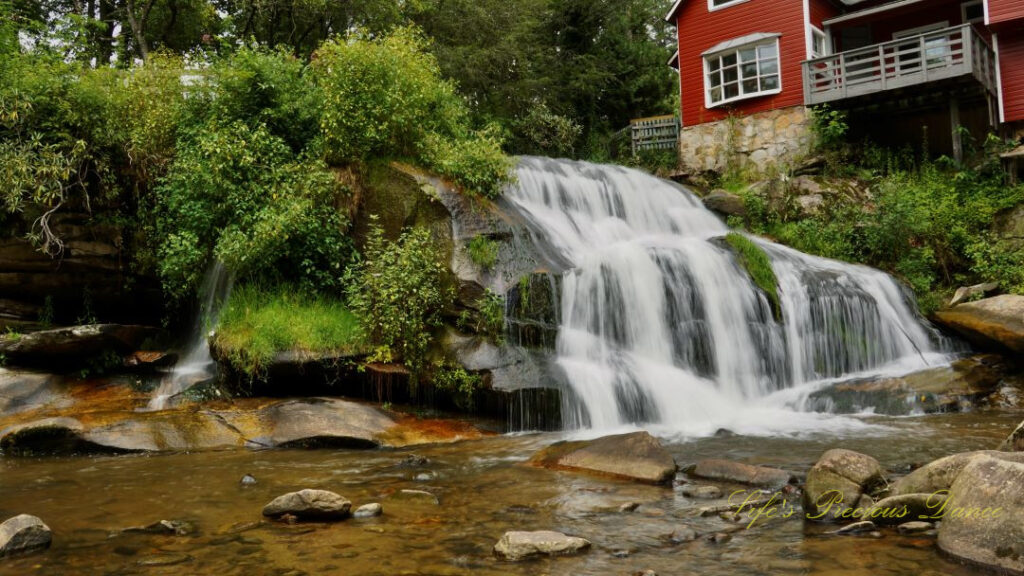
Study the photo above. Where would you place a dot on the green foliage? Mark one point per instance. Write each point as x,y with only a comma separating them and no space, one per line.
258,322
399,290
829,125
239,194
483,252
757,264
454,379
492,315
542,131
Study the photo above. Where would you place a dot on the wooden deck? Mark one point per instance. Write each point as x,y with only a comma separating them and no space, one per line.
915,60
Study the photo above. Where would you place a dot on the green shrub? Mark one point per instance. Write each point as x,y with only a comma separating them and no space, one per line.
757,264
257,323
399,290
492,315
483,252
454,379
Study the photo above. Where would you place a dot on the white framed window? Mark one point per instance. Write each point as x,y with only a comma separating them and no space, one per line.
743,72
719,4
973,12
819,42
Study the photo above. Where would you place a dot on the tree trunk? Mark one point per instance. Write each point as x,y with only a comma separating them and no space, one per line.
138,24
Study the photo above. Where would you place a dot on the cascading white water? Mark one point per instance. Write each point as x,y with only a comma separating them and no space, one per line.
197,364
660,325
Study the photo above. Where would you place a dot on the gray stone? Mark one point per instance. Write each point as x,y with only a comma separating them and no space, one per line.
326,422
309,505
175,527
915,527
740,473
682,534
247,480
856,528
971,529
422,495
517,546
810,204
1015,441
896,510
965,293
996,322
837,481
725,203
635,456
701,492
69,347
629,507
940,474
368,510
24,533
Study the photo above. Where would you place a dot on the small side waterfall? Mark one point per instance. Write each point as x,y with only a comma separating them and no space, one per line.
660,325
197,364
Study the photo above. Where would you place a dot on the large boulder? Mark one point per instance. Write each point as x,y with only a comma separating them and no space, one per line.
516,546
983,521
309,505
725,203
740,473
940,474
326,422
837,482
635,456
69,347
23,533
896,510
965,293
996,322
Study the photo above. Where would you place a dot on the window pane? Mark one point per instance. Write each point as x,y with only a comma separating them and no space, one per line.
766,51
714,79
750,86
770,83
749,70
769,66
714,64
748,55
729,59
729,74
732,90
716,95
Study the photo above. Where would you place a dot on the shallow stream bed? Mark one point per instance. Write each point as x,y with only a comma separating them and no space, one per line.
483,488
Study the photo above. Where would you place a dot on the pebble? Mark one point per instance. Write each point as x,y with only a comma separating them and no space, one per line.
247,480
368,510
856,528
683,534
629,507
701,492
914,527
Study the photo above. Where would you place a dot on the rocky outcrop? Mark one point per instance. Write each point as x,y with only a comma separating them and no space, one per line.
325,422
635,456
940,474
740,473
965,293
725,203
995,323
70,347
515,546
23,534
309,505
837,482
983,522
896,510
1015,441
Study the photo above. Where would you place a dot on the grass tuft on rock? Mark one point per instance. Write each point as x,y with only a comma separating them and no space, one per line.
755,261
258,323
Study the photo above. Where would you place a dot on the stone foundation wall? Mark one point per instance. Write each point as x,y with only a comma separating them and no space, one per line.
756,142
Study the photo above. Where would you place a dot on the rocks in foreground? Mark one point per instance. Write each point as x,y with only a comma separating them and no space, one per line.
309,505
838,481
517,546
635,456
940,474
740,473
984,517
69,347
996,322
1015,441
24,533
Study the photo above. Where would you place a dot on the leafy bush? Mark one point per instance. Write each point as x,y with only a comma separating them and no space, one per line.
483,252
399,290
454,379
259,322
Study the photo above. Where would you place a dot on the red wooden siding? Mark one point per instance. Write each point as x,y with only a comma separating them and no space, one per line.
700,29
1011,70
1002,11
822,10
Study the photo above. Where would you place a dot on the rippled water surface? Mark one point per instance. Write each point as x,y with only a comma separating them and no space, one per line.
484,489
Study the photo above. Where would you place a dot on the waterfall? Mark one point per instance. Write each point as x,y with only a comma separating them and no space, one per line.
197,364
659,324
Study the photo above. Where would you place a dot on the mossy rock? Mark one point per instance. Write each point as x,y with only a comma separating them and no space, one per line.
758,266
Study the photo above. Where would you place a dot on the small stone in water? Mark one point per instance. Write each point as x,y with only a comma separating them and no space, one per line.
168,560
412,461
704,492
856,528
914,527
247,480
719,538
425,476
629,507
683,534
368,510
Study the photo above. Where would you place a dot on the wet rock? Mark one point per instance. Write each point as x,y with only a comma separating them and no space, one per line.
856,528
705,492
47,436
168,527
320,422
740,473
425,477
247,480
896,510
970,528
422,495
309,505
725,203
64,348
682,534
165,560
719,538
996,322
940,474
413,460
368,510
837,481
23,533
629,507
517,546
915,527
645,573
149,360
635,456
1015,441
965,293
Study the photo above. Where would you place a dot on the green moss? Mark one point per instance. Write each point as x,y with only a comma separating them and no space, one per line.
483,252
759,267
258,323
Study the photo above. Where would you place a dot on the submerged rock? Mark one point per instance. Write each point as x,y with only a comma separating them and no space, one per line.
309,505
517,546
701,492
175,527
740,473
996,322
635,456
837,481
24,533
856,528
983,521
915,527
368,510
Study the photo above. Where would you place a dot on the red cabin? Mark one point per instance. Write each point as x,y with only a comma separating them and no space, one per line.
903,63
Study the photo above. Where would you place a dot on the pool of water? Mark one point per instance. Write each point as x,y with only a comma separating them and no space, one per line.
484,488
